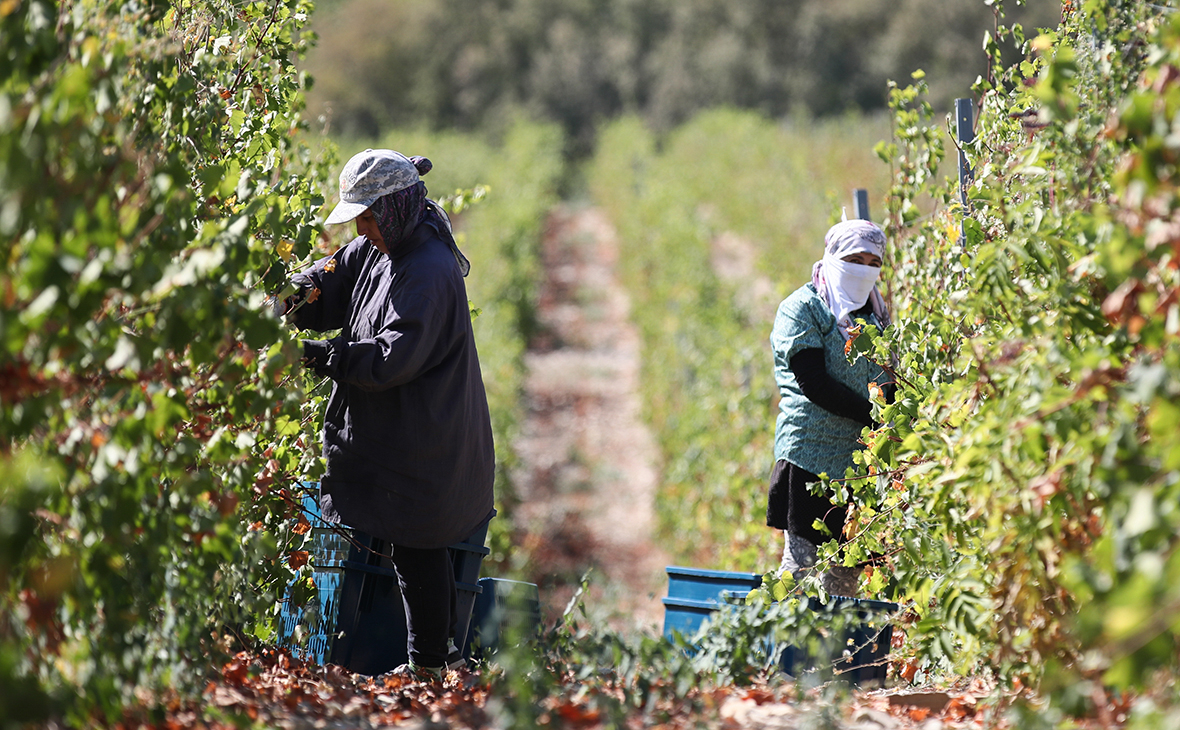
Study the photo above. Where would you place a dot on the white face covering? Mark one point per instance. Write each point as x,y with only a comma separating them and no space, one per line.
849,285
844,286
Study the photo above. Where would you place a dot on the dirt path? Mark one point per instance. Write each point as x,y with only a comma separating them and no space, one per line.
588,465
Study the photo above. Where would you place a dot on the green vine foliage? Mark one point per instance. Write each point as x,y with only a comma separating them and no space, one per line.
1024,486
153,194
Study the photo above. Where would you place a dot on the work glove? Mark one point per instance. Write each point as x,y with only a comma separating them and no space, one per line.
319,356
283,307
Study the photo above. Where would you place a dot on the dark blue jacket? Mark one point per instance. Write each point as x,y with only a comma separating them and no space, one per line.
407,435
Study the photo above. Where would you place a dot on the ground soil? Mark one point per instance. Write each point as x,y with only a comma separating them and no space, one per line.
588,464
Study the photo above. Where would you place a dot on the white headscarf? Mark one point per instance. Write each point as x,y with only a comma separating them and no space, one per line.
845,286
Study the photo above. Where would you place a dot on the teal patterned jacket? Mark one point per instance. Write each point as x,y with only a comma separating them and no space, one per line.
806,435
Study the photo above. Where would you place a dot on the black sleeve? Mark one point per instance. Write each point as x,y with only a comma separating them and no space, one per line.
825,391
332,279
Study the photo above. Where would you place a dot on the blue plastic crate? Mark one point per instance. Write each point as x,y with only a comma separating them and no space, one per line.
318,616
501,604
371,629
867,639
356,617
694,594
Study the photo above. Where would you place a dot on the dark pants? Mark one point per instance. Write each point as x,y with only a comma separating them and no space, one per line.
793,507
427,582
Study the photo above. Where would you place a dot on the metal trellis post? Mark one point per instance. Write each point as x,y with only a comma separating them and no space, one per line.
965,131
860,204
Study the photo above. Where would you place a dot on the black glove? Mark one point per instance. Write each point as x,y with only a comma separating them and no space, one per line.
319,356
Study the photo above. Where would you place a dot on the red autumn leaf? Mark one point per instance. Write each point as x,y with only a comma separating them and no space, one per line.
761,695
577,715
960,707
226,503
236,671
1122,304
297,559
908,671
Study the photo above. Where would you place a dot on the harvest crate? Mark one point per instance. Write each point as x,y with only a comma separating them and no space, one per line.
318,616
694,594
372,622
502,606
356,618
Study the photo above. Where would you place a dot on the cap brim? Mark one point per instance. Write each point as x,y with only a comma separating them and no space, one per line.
344,212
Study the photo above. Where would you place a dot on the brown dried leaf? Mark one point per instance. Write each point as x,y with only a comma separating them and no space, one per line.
237,670
227,697
302,527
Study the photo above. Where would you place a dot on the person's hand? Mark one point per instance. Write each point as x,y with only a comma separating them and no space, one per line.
316,353
283,306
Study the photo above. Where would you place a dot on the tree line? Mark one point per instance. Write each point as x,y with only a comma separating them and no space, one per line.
471,63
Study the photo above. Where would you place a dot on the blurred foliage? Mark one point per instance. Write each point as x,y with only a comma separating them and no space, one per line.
469,63
729,186
152,193
577,670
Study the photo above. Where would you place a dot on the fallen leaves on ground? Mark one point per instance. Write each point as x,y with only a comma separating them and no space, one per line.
273,689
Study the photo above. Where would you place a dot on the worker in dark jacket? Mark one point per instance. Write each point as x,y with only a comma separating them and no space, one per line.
407,435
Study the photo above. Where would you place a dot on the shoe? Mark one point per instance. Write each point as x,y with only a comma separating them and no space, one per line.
411,672
799,556
455,660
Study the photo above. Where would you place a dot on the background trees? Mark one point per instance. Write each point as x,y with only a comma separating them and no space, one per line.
465,63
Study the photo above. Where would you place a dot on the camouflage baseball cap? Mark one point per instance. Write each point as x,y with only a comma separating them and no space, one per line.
370,175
